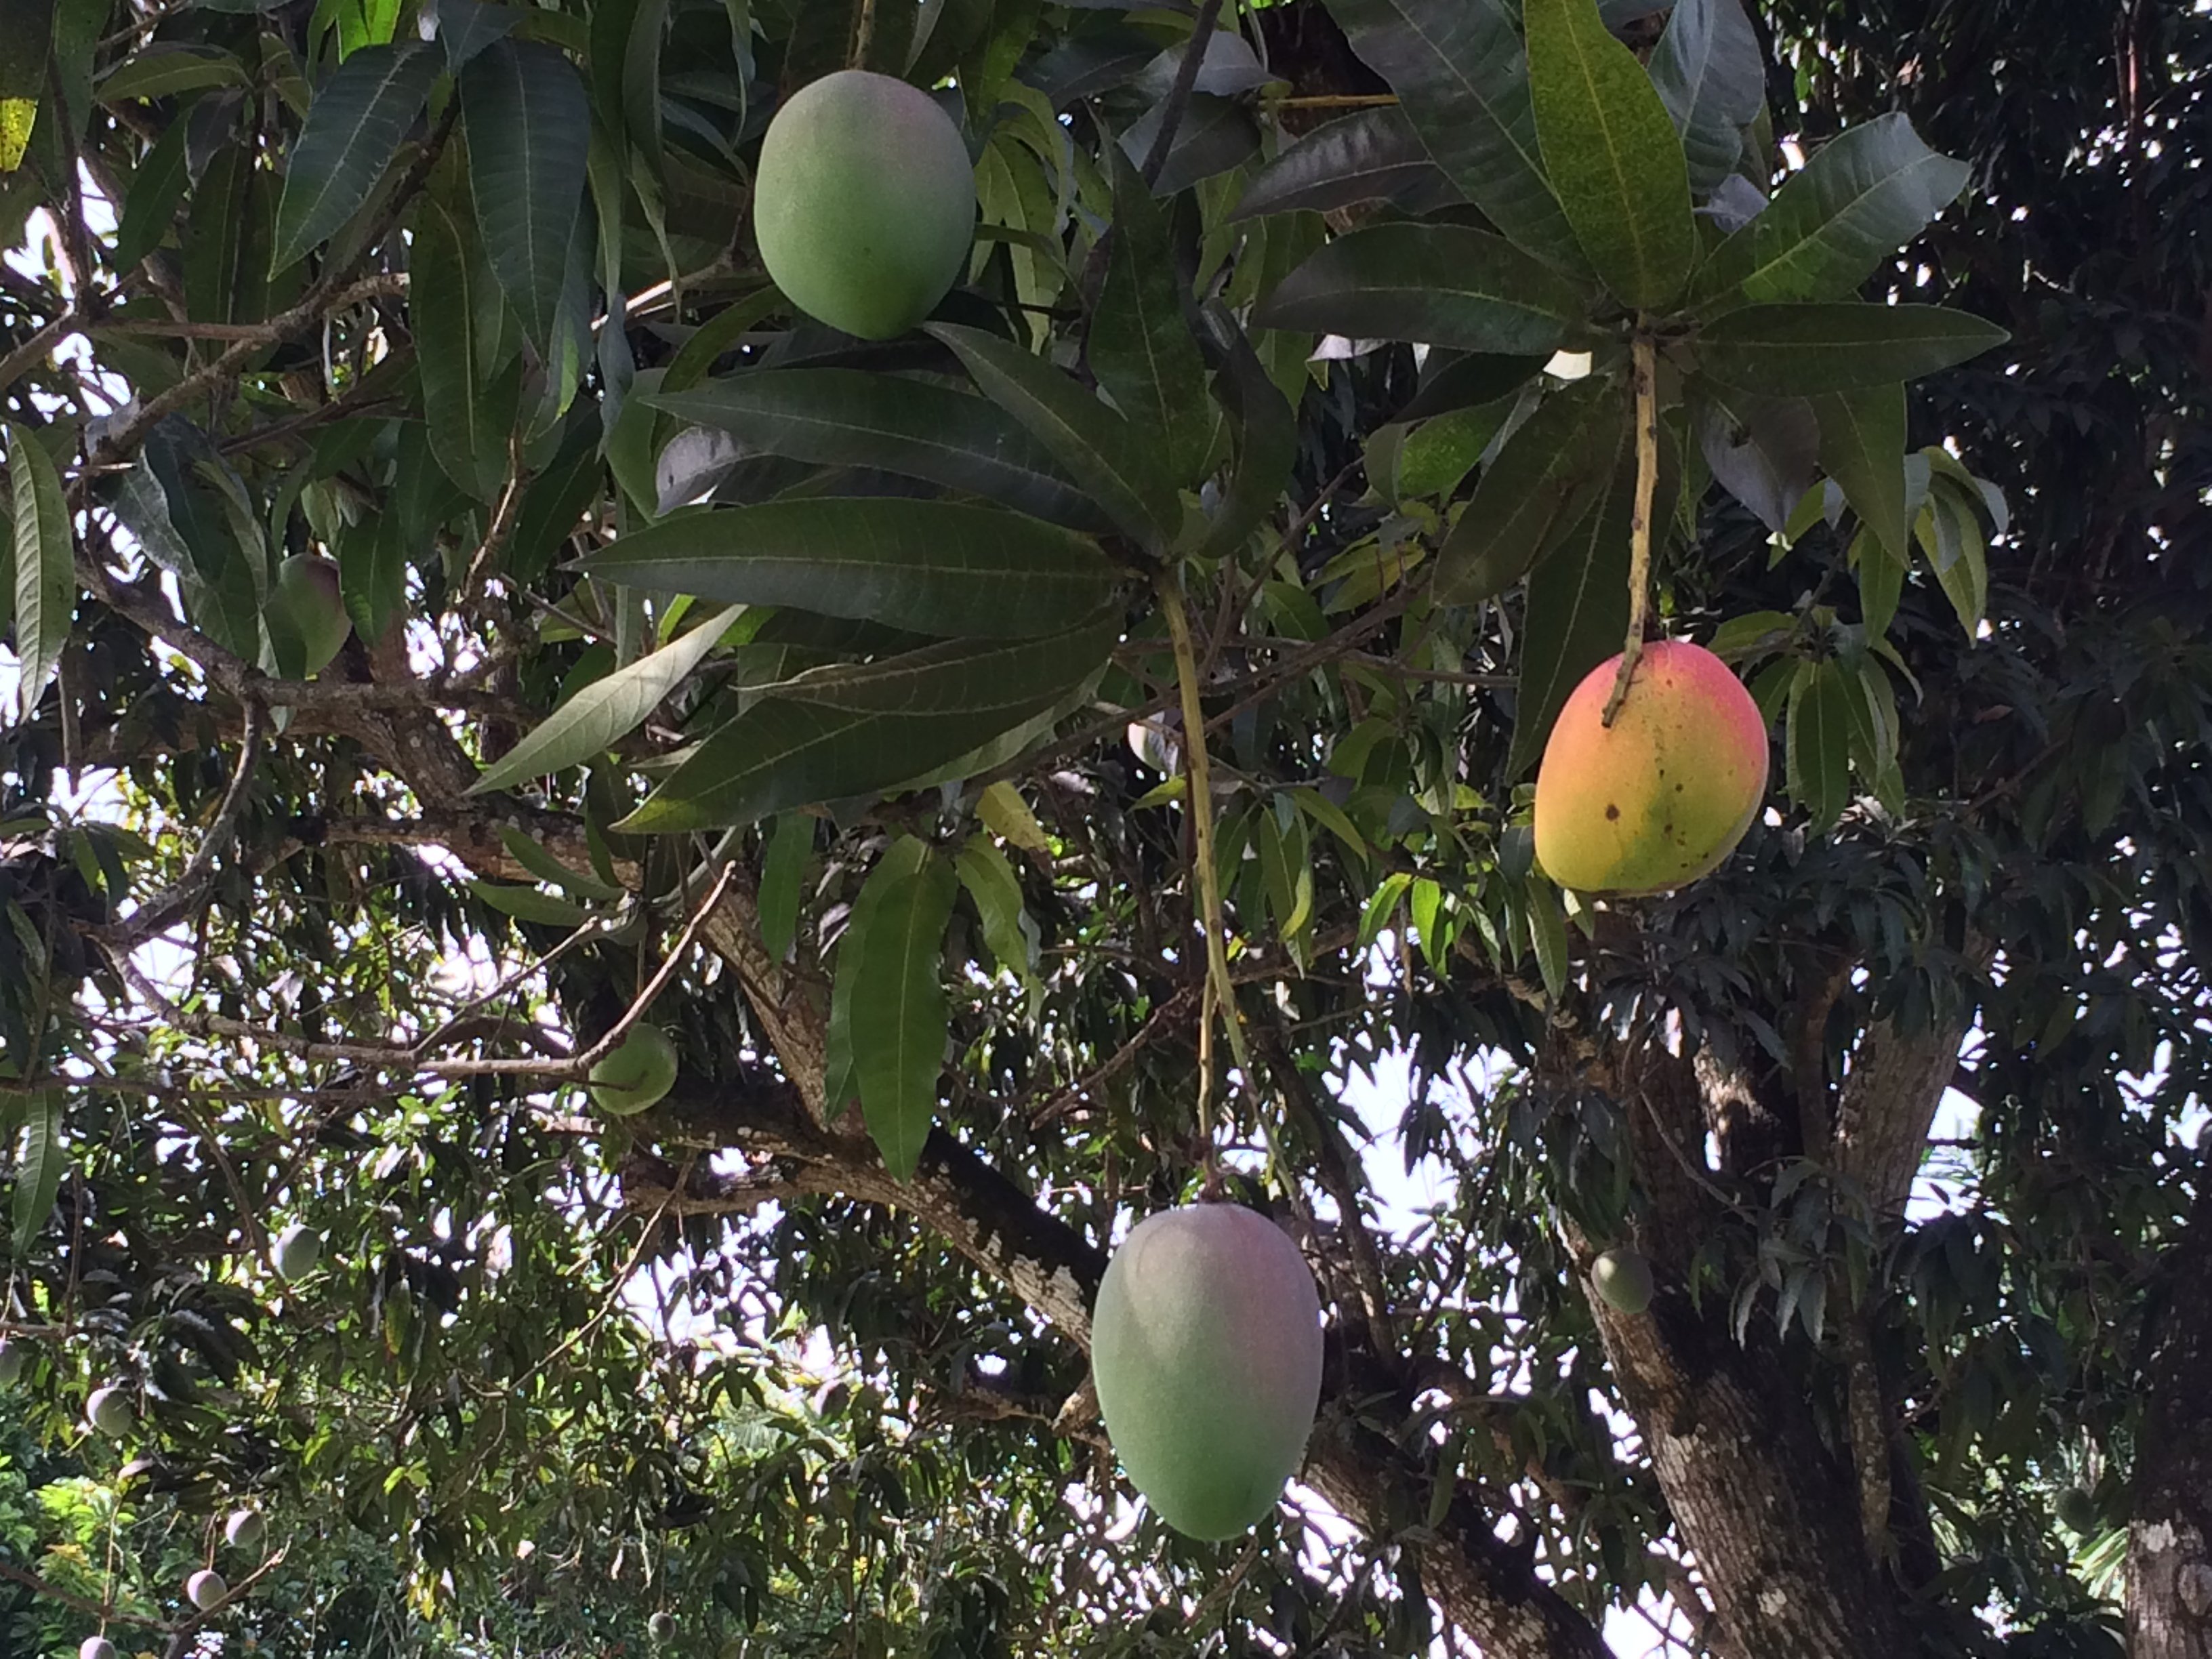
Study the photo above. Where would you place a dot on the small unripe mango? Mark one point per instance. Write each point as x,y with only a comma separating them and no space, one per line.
1623,1278
296,1251
1660,797
637,1074
864,203
109,1410
205,1591
11,1362
1205,1348
95,1647
245,1530
663,1626
307,614
2078,1511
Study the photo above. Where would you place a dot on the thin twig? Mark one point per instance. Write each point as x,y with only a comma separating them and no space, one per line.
1639,525
191,887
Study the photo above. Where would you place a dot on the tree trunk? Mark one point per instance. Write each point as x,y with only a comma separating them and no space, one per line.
2169,1533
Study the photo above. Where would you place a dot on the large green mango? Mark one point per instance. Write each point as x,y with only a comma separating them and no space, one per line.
1205,1348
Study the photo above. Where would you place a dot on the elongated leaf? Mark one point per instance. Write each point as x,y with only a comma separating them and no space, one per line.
45,571
931,566
1463,379
1712,76
899,1013
1612,152
1881,581
468,435
373,573
1267,441
843,732
528,904
1578,610
150,205
1117,462
1462,78
1817,742
353,131
1445,284
39,1174
783,872
529,128
1369,155
1863,449
604,711
1006,813
901,860
1543,482
997,892
1215,135
549,870
1547,932
849,417
1802,350
1862,196
1139,348
1763,450
168,68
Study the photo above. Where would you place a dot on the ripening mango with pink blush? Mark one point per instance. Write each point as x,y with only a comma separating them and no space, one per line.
1663,795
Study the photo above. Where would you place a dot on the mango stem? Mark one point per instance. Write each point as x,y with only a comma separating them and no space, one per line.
1198,778
1645,380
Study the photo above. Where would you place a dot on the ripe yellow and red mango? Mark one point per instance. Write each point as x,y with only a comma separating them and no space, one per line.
1663,795
1205,1348
864,204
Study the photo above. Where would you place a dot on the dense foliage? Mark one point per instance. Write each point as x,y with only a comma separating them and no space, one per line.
826,704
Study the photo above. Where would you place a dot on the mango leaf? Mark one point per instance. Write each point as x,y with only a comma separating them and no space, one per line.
1547,932
1006,813
901,858
1369,155
1447,285
469,425
997,892
466,27
846,731
528,904
1803,351
607,709
149,205
1818,741
1950,536
1612,153
529,130
39,1172
533,857
783,870
849,417
1578,604
1863,449
1545,480
372,558
1215,135
897,1012
45,571
1712,76
165,67
1763,450
1117,462
1463,379
1462,78
353,131
942,567
1881,581
1266,439
1865,194
1140,347
1437,455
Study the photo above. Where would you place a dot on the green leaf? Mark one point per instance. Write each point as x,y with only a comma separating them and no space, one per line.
1382,904
169,68
528,904
1802,350
1577,608
898,1014
850,417
1327,814
939,568
1462,78
354,130
1005,813
529,131
372,572
1712,76
469,427
1612,153
39,1172
1369,155
901,858
1547,932
591,721
549,870
1140,347
1862,196
1950,535
844,733
997,892
1120,465
1746,638
1542,485
150,206
1444,284
1881,581
1863,449
1818,741
783,872
1437,455
1266,434
45,571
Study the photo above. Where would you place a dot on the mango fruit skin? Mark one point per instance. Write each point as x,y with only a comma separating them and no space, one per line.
1623,1278
1662,797
1205,1348
307,613
864,203
642,1069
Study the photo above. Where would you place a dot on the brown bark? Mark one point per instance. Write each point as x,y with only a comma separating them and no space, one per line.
2169,1533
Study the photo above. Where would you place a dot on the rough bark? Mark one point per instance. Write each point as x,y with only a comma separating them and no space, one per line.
2169,1533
